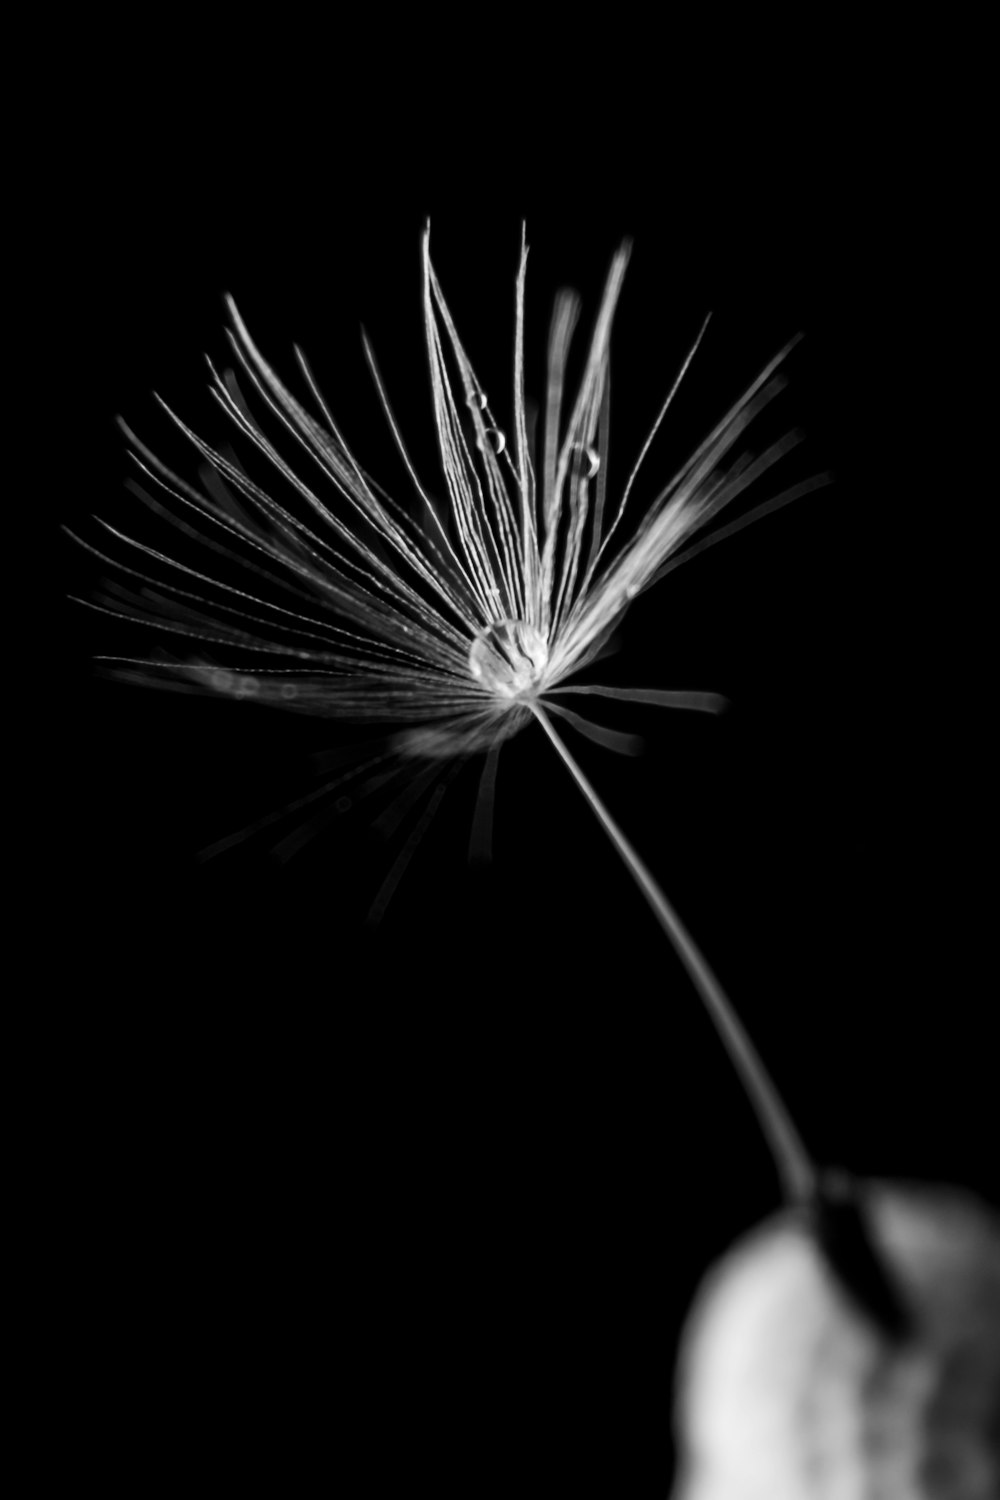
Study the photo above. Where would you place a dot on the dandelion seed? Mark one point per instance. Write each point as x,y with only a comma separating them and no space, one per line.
464,626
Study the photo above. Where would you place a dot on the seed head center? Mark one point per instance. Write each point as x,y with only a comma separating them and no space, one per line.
508,657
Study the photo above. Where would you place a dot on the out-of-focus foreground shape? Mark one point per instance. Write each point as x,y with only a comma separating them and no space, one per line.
787,1391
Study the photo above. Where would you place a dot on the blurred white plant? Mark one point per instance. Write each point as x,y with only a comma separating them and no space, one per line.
804,1376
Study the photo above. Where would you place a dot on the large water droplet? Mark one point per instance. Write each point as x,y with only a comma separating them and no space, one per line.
508,657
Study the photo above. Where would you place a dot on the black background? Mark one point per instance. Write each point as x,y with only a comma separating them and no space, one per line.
428,1205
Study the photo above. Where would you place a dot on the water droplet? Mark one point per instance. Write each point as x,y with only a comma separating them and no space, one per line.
508,657
589,456
496,440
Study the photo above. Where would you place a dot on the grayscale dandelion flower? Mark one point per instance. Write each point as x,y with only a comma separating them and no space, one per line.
455,629
463,625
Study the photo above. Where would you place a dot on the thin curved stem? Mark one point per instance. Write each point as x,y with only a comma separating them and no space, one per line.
795,1166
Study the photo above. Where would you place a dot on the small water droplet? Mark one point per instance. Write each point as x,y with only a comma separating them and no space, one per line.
496,440
589,456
